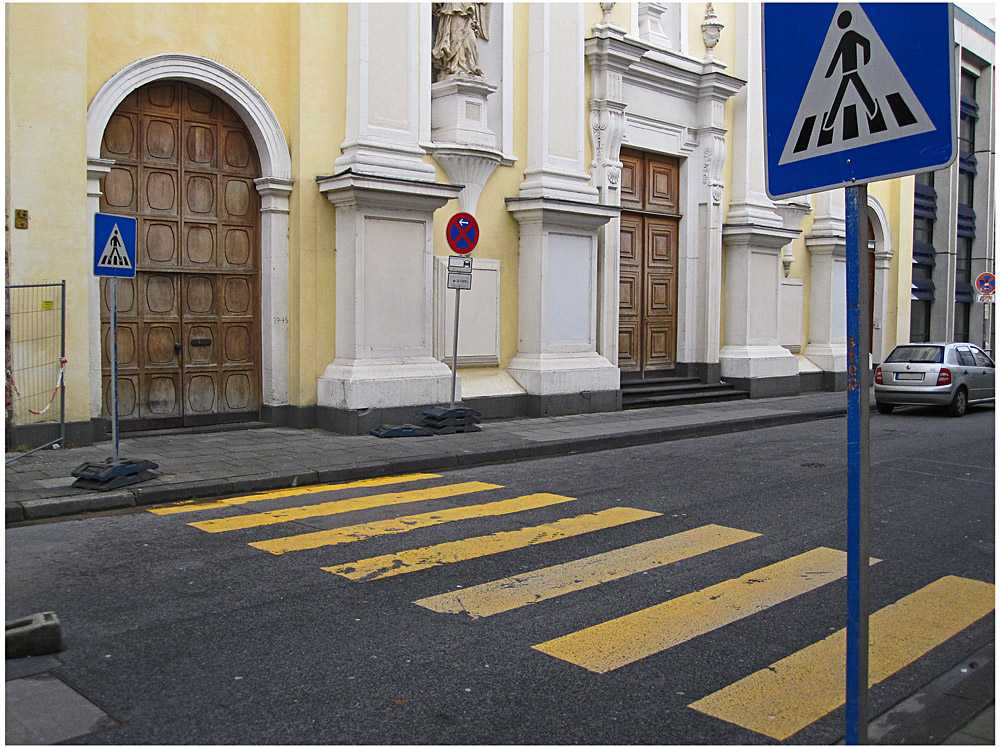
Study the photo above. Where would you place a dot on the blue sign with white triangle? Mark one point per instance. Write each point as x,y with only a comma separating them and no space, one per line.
114,246
855,93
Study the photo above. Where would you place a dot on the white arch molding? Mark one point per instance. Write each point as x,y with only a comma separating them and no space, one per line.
883,256
274,186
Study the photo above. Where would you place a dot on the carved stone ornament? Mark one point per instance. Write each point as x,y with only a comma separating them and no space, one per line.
606,8
455,53
711,28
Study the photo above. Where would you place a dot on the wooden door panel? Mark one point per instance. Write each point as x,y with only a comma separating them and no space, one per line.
201,146
159,192
629,294
662,183
632,181
661,295
162,97
661,341
119,193
629,345
121,136
236,248
160,140
661,244
236,152
161,395
159,245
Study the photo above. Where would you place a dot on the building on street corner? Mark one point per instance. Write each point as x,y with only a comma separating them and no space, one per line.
292,168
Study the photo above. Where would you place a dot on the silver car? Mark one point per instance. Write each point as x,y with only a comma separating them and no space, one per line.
948,374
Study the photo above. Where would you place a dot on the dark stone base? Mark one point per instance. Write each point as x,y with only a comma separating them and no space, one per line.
707,373
78,434
767,386
355,422
542,406
295,416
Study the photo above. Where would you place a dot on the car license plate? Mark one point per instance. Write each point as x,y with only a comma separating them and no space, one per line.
909,376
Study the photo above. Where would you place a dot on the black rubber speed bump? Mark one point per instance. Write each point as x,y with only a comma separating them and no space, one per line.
40,634
452,420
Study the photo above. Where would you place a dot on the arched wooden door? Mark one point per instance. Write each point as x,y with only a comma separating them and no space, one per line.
188,323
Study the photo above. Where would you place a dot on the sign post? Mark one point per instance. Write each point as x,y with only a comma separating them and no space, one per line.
463,236
114,258
852,96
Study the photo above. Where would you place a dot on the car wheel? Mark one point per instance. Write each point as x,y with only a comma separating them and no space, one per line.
960,404
884,408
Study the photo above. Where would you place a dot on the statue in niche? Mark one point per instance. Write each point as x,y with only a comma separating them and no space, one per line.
455,53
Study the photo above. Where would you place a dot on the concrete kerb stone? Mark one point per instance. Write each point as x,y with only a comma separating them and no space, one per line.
274,481
155,494
67,505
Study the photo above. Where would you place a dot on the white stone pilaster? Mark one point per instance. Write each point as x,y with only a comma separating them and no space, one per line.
827,245
557,321
274,193
97,169
754,233
384,294
556,104
384,90
608,59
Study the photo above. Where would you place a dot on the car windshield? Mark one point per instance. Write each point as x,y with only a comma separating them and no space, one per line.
917,354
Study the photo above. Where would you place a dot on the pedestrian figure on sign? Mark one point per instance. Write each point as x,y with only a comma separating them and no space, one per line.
847,56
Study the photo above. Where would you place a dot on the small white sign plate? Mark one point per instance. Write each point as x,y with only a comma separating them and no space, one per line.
461,281
459,264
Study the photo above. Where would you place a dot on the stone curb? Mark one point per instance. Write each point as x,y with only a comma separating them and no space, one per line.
145,495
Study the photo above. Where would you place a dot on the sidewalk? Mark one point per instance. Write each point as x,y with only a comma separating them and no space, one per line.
202,465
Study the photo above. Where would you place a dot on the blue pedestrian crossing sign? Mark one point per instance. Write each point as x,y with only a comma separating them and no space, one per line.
114,246
855,93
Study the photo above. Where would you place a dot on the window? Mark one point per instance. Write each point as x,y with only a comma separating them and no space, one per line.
926,178
963,261
916,354
965,357
982,359
962,321
966,187
920,321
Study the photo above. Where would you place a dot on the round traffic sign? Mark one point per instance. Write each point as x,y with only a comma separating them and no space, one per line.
986,283
462,233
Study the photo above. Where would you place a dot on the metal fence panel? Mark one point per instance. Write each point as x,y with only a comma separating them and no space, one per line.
35,348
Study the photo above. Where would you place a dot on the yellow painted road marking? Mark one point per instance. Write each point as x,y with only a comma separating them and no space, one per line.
624,640
339,507
191,506
552,581
485,545
796,691
353,533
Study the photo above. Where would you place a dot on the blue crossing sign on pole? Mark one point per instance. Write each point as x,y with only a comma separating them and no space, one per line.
114,246
855,93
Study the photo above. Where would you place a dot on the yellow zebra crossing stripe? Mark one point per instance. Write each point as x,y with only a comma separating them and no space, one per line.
353,533
191,506
621,641
791,694
339,507
525,589
405,562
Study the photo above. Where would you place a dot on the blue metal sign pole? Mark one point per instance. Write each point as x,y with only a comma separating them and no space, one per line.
858,463
114,365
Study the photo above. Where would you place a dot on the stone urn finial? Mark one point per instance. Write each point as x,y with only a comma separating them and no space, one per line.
710,30
606,7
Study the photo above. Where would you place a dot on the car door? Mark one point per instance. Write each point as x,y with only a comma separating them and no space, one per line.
966,371
986,374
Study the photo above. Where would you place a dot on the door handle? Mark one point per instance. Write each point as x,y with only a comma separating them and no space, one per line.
177,347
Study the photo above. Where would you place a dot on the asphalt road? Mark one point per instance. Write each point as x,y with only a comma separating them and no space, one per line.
188,636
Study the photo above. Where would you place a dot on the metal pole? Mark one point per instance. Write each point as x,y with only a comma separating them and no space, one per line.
114,365
858,464
454,350
62,357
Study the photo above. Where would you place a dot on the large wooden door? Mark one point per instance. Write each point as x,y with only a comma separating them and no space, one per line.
189,333
650,223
